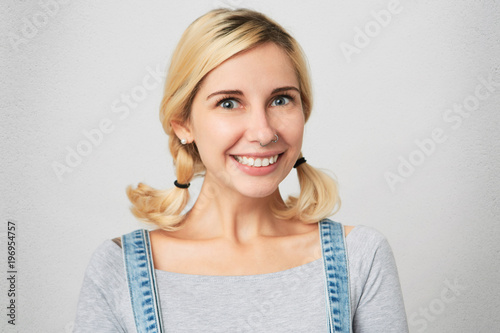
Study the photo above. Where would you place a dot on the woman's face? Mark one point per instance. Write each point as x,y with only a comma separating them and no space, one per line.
240,105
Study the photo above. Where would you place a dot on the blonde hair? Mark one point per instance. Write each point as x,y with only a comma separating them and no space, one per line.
206,43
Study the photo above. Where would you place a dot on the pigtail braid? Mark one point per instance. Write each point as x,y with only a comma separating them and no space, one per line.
164,207
317,200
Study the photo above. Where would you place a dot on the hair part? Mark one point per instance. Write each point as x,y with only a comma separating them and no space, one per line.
209,41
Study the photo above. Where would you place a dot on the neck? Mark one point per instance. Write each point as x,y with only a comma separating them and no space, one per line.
219,213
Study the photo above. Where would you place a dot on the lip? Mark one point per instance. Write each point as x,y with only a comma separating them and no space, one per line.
257,171
262,154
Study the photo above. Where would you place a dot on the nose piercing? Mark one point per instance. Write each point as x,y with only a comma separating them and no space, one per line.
273,141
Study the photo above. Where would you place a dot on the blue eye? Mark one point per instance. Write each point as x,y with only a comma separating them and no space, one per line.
280,101
229,104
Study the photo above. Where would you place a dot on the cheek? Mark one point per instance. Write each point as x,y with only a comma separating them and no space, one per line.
291,127
214,136
299,136
219,131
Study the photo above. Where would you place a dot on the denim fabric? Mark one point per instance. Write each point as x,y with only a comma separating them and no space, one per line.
143,290
336,276
142,281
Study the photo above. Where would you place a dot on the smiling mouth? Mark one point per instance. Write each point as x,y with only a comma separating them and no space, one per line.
256,162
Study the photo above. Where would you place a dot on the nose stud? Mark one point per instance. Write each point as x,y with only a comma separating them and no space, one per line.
273,141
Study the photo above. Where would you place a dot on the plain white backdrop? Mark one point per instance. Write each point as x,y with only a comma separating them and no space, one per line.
405,115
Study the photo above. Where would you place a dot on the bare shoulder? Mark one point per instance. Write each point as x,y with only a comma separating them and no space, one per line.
159,236
348,229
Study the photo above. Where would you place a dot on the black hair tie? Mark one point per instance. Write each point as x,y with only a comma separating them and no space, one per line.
299,162
181,185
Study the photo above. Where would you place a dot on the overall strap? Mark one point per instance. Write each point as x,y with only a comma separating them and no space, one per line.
142,282
336,276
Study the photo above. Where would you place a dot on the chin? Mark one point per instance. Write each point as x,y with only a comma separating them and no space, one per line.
257,190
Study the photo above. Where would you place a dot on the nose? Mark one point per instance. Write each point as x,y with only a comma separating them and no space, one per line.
260,129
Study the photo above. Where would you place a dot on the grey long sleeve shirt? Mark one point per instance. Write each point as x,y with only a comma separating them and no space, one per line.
287,301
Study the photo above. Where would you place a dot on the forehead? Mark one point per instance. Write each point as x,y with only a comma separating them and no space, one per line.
259,69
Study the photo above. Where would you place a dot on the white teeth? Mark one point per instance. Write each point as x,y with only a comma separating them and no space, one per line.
256,162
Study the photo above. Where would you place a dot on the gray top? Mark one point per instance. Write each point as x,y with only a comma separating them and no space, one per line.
287,301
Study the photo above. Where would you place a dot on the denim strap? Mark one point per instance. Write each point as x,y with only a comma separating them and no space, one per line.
142,282
143,290
337,276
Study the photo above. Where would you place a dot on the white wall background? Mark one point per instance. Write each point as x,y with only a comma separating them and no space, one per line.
67,67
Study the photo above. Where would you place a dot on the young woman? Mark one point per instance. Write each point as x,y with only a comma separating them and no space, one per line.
242,259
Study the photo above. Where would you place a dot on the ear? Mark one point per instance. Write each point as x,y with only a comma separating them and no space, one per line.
182,131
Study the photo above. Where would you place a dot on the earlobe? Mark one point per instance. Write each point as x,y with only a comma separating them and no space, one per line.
182,131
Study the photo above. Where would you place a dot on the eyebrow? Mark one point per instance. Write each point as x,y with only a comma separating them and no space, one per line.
239,92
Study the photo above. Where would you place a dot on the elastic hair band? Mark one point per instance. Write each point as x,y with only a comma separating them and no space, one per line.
299,162
181,185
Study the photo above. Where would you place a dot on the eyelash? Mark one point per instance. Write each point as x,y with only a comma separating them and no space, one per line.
290,98
228,98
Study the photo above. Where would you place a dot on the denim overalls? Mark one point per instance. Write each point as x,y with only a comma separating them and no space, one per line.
144,295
